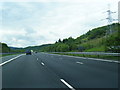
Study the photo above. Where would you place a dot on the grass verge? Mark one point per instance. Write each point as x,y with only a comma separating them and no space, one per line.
98,49
7,54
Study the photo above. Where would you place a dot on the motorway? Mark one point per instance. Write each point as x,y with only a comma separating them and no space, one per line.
43,70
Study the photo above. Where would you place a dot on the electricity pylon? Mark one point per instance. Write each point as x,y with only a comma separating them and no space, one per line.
110,20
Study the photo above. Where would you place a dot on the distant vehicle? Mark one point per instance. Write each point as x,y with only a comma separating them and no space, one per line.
28,52
31,51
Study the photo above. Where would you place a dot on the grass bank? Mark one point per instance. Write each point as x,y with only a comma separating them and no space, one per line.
3,55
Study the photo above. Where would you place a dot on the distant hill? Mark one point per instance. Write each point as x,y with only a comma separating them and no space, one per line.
37,48
34,48
15,48
97,39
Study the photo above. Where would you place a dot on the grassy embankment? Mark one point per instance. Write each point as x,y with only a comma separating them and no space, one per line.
8,54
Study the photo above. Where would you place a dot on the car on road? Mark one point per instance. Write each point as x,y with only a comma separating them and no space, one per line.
28,52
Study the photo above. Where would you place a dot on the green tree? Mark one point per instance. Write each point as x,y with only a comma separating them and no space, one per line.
62,48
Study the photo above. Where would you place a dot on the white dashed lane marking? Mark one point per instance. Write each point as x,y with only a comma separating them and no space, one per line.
104,60
42,63
79,62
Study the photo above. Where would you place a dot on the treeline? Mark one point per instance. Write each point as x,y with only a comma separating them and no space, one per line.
94,40
4,48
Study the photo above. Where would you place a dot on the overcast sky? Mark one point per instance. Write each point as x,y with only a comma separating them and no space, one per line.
36,23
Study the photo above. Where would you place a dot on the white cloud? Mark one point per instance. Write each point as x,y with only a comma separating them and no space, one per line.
80,1
26,24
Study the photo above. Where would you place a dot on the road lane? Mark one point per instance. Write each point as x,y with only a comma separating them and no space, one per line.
44,70
91,74
27,72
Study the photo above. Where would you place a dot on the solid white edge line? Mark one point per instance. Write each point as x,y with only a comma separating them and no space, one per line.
68,85
10,60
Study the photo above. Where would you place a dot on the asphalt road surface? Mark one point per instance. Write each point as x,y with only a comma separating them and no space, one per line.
42,70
